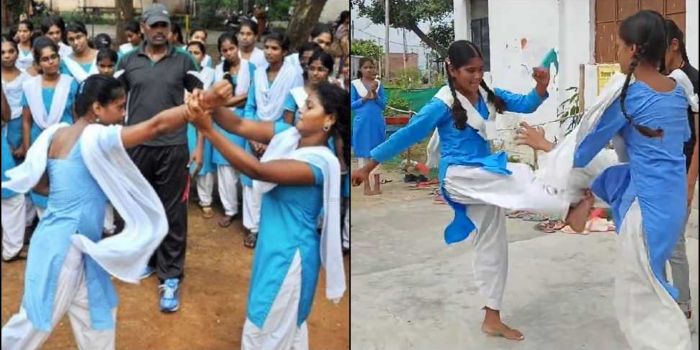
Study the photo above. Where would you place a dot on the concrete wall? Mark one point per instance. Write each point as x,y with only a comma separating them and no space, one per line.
515,49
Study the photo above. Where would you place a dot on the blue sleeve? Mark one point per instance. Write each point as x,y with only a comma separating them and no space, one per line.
381,97
355,99
609,124
416,130
318,174
71,98
290,104
520,103
281,126
23,101
250,107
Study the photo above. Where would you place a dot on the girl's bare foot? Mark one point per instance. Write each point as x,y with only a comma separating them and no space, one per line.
377,181
368,189
493,326
375,192
578,216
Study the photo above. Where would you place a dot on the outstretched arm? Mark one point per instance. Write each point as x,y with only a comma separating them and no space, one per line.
284,172
171,120
417,129
259,131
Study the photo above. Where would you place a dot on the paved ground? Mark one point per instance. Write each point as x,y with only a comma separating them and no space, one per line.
213,306
411,291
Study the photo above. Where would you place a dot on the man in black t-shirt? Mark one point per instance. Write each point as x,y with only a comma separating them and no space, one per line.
156,75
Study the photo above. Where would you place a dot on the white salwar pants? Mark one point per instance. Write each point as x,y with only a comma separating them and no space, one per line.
71,297
205,188
648,316
488,195
280,331
252,200
228,189
13,225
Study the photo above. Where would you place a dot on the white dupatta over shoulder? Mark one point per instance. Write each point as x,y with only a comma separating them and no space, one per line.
126,255
270,98
285,145
32,90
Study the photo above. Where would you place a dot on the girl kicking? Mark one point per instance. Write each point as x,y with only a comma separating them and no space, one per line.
475,182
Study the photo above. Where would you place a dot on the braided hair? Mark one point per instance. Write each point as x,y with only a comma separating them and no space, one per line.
673,32
460,53
646,30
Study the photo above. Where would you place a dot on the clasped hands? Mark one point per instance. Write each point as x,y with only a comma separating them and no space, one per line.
200,104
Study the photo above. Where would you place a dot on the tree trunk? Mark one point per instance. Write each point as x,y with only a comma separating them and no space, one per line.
306,14
125,13
427,40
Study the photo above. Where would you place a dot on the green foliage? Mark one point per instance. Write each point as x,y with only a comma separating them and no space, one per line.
406,79
568,111
279,10
406,13
366,48
396,100
443,33
210,14
86,18
439,81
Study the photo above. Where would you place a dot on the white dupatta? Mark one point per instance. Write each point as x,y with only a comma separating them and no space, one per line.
243,77
556,166
285,145
270,98
126,255
13,93
32,90
486,128
362,89
206,76
299,95
77,70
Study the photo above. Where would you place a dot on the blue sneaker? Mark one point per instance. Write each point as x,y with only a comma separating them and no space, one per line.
148,272
170,295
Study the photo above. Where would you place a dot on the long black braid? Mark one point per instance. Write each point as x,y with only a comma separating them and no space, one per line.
459,114
646,30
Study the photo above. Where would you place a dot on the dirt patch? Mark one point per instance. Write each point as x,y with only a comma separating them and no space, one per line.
213,304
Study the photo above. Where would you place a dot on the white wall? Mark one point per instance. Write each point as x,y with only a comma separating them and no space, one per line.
691,30
511,25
